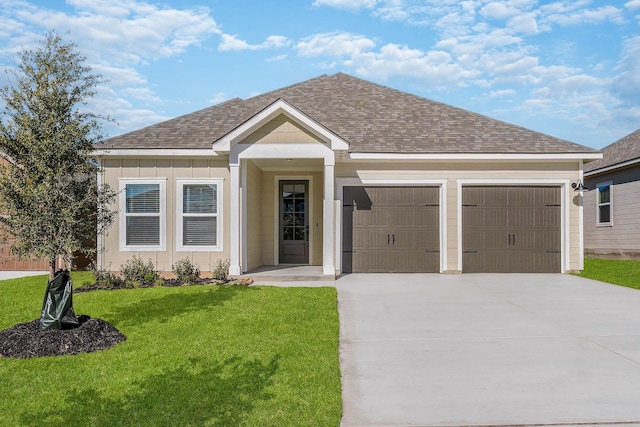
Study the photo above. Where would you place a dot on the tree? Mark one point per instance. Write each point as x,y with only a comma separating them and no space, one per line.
49,194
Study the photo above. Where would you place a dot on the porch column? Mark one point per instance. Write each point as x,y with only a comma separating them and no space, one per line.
328,265
234,188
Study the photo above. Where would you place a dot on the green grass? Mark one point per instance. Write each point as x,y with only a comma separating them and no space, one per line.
620,272
194,356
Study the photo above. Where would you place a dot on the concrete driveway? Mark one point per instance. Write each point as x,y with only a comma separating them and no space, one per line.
486,349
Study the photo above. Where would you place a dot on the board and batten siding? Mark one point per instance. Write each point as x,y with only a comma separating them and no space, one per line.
451,172
622,238
172,170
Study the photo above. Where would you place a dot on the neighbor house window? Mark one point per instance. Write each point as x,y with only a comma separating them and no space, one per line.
604,212
199,219
142,214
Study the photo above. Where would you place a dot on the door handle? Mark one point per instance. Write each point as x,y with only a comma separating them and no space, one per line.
509,240
393,237
388,239
514,240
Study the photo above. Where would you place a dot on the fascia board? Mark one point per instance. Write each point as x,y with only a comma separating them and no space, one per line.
475,156
155,152
612,167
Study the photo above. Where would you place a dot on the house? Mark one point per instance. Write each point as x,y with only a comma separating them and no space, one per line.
349,175
611,202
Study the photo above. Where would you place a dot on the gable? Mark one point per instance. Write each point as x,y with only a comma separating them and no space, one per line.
281,130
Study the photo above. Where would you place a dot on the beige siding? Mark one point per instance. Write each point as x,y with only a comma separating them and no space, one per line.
452,172
281,130
622,238
171,170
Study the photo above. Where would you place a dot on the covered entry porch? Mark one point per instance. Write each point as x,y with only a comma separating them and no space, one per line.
282,191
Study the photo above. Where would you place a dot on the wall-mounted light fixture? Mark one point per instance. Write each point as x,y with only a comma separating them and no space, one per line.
577,186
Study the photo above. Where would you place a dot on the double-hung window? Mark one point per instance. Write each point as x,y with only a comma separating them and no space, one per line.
142,214
604,213
199,216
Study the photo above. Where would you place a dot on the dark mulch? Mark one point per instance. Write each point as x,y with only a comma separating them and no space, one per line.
27,340
120,284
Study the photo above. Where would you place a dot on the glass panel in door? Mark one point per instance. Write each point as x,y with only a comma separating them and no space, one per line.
294,222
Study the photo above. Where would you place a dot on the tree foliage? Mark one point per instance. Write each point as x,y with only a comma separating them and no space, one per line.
49,195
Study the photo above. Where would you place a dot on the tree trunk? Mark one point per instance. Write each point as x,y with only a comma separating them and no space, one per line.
52,267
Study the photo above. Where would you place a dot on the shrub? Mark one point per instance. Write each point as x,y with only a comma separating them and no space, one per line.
221,270
136,272
105,279
186,271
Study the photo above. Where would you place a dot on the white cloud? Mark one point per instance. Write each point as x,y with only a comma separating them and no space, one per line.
117,37
334,45
233,43
346,4
633,4
573,14
626,85
525,23
434,67
502,93
499,10
218,98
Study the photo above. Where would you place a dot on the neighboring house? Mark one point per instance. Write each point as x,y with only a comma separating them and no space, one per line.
349,175
612,201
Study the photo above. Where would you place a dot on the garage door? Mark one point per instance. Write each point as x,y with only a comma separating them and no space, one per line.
391,229
511,229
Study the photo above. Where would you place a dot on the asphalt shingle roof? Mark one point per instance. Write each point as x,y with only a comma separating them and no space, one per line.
371,117
623,150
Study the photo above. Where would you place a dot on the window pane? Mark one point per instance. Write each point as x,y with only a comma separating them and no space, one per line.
287,233
604,194
200,198
143,198
199,231
605,213
299,233
143,230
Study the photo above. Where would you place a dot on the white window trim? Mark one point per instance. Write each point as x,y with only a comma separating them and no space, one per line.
180,247
162,182
598,204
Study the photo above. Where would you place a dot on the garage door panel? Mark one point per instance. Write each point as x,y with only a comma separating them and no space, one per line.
391,229
474,216
479,262
370,218
515,229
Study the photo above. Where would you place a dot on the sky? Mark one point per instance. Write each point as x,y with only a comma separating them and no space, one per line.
570,69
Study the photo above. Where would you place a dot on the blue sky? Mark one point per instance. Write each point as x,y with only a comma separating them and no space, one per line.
570,69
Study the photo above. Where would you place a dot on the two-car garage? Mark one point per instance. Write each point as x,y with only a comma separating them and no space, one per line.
504,229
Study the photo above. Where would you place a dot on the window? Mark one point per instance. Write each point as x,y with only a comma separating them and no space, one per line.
142,214
604,212
199,221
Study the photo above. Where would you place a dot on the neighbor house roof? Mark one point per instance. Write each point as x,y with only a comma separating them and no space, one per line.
370,117
621,152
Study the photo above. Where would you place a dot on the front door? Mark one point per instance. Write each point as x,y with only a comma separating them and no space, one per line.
294,222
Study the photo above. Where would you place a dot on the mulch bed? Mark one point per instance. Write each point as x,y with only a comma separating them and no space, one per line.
26,340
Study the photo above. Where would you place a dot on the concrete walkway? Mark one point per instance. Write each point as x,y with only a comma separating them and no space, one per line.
4,275
488,350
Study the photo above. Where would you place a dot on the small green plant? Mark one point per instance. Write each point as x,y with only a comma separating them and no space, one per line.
105,279
137,273
221,270
186,271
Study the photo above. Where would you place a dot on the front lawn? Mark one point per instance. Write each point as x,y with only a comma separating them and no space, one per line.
620,272
194,356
